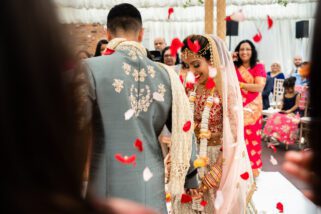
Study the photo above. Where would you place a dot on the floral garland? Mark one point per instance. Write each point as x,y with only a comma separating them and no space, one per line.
283,2
188,3
205,133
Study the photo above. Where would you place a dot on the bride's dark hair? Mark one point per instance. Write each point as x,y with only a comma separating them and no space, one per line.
202,41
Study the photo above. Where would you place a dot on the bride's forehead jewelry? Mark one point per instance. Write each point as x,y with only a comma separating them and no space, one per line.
188,53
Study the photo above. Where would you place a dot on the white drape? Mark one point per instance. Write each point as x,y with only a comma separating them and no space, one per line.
278,44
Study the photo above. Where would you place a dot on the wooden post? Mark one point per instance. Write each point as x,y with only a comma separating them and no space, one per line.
209,14
221,14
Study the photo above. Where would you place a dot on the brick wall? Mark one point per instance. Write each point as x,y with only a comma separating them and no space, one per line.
86,36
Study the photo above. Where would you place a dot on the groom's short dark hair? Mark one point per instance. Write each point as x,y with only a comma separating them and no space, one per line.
125,17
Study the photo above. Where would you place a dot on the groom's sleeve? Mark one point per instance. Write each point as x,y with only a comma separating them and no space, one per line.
191,181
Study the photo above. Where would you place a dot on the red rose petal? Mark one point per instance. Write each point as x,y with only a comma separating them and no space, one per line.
187,126
210,83
203,203
109,52
170,12
270,22
126,160
193,46
175,45
279,206
139,145
189,86
228,18
272,147
258,37
181,78
186,198
245,176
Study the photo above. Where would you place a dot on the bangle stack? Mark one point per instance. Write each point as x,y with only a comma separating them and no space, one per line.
213,177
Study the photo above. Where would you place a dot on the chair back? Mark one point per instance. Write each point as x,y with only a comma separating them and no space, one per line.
278,91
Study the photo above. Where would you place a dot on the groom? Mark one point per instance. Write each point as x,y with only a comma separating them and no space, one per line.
133,98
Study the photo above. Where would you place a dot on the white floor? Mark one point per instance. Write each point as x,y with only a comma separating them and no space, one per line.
272,188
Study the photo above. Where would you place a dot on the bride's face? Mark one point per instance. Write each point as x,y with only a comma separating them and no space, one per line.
199,67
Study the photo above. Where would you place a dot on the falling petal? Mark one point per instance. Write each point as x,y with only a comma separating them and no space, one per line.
210,83
228,18
158,97
181,78
273,161
270,22
189,86
203,203
257,37
126,160
245,176
302,140
170,12
219,200
212,72
187,126
279,206
138,144
147,174
175,45
129,114
186,198
272,147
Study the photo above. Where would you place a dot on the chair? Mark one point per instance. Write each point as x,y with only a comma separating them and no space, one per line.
278,92
277,98
305,120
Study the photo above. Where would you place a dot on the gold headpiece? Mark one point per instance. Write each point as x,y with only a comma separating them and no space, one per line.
188,53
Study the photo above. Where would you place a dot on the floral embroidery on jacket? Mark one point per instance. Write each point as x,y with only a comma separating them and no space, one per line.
118,85
151,71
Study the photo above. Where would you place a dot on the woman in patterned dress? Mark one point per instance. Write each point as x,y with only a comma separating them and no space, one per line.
252,77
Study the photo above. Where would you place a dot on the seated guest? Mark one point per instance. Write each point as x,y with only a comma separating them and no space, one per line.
283,126
275,73
101,46
170,60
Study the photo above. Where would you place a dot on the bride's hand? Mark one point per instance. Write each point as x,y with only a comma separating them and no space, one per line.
195,193
167,163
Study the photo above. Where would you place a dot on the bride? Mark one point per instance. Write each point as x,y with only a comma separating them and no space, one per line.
226,180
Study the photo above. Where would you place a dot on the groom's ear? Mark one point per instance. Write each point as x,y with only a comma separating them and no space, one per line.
109,35
141,35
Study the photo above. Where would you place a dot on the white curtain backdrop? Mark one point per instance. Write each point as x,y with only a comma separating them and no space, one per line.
278,44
